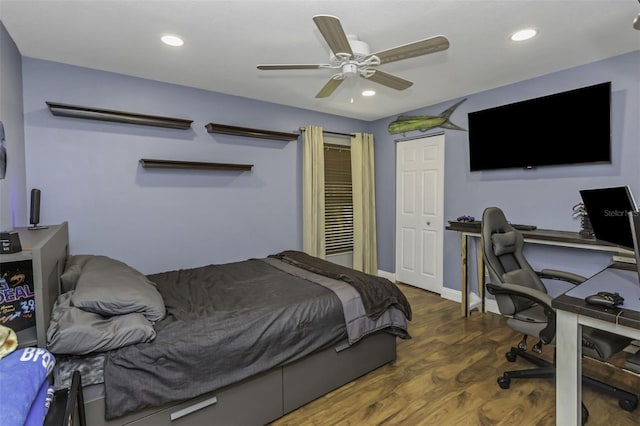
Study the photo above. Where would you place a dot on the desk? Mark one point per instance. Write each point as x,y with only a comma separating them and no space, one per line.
537,236
572,312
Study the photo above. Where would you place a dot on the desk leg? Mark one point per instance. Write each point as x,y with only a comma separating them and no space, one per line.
568,369
480,260
463,272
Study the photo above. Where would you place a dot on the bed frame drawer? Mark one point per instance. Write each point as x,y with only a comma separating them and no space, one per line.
332,368
253,402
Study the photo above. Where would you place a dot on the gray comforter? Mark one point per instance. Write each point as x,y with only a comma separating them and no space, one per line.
377,293
226,323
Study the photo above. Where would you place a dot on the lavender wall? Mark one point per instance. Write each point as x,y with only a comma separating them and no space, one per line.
543,197
158,220
13,194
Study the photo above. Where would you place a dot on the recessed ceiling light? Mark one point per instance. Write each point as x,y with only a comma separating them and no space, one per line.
522,35
368,92
172,40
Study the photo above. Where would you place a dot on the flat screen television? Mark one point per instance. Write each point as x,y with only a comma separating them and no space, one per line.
572,127
608,210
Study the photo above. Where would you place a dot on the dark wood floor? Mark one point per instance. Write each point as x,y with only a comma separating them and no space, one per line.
446,375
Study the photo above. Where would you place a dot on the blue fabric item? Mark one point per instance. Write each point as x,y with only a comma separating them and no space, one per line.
22,375
39,407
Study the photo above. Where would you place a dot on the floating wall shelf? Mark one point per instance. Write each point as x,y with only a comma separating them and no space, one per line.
173,164
75,111
252,133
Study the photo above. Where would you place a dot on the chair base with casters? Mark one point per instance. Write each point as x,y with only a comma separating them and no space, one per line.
546,370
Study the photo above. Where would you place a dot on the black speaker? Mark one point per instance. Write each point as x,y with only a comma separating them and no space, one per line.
34,215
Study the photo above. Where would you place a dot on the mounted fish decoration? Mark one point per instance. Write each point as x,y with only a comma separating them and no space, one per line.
408,123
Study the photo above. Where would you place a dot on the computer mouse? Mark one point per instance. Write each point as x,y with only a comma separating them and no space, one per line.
606,299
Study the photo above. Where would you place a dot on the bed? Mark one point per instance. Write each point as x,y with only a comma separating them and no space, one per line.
240,343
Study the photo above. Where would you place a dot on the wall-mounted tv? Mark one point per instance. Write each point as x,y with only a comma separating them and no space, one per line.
572,127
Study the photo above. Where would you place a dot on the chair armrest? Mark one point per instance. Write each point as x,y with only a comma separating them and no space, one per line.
555,274
537,296
532,294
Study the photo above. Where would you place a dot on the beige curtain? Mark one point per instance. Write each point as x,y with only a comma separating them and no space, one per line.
365,257
313,241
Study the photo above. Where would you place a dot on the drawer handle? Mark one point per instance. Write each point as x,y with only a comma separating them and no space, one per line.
193,408
341,347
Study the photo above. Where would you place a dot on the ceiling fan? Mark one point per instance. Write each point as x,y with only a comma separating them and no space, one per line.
351,57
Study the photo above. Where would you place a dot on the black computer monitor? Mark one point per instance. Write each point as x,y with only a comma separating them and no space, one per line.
608,210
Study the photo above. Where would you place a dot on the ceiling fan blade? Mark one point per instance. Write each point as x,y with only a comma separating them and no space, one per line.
333,33
411,50
329,88
290,67
389,80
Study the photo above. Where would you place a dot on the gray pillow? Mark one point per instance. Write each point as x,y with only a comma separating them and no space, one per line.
72,269
109,287
504,243
73,331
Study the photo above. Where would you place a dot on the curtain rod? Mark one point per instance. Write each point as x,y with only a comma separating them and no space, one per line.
331,133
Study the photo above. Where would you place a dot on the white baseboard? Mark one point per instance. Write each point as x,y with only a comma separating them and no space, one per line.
450,294
388,275
454,295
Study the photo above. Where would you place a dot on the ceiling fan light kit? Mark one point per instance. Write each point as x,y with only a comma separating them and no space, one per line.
349,70
353,58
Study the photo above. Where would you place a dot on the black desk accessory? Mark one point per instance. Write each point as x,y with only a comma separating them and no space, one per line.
10,242
606,299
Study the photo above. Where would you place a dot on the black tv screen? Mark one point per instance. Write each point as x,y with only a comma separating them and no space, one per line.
572,127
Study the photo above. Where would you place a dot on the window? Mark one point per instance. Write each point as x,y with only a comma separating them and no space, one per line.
338,219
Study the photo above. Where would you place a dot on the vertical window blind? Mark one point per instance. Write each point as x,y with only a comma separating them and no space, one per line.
338,219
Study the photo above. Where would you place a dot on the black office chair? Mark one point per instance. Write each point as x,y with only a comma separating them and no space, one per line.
522,296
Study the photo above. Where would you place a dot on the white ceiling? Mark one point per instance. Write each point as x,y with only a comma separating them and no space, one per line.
225,40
